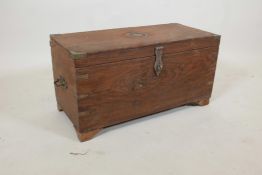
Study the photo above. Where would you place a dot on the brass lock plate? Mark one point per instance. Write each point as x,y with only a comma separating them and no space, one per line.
158,62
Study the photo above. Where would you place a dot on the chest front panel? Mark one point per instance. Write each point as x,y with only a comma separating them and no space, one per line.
115,92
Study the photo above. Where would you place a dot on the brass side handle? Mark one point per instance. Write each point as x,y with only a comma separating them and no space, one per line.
61,82
158,62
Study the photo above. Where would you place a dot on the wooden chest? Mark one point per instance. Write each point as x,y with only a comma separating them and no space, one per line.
111,76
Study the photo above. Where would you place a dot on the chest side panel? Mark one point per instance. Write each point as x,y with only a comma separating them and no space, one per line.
63,67
112,93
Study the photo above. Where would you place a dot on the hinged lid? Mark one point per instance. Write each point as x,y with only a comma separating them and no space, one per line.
113,42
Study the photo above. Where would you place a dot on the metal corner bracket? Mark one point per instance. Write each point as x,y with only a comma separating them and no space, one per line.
77,55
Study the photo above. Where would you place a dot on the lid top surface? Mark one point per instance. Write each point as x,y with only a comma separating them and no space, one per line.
122,38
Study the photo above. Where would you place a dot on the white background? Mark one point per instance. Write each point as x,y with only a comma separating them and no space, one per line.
224,137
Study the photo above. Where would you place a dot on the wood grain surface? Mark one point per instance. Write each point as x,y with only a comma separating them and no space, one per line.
119,91
117,39
64,66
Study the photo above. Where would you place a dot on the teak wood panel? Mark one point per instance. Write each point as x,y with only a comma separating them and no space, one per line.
139,52
92,42
64,66
115,92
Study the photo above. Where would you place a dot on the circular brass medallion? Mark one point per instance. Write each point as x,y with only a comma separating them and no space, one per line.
136,34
